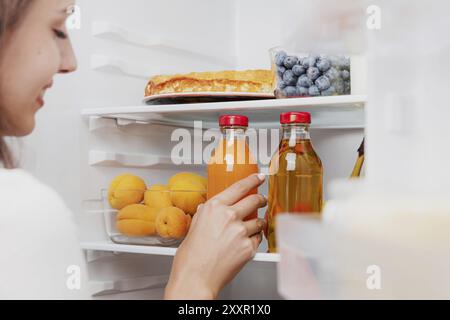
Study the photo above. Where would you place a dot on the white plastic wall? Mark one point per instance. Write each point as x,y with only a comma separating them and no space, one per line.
57,152
408,107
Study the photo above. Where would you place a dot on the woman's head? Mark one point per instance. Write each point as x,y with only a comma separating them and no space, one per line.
33,48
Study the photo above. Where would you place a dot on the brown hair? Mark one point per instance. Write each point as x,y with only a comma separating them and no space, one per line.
11,13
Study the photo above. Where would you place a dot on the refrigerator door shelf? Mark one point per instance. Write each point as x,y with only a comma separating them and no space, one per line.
321,260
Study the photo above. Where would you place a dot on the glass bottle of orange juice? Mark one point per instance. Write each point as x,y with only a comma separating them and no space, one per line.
231,160
296,173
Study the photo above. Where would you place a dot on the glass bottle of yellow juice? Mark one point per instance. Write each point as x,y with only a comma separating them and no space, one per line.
231,160
356,173
296,174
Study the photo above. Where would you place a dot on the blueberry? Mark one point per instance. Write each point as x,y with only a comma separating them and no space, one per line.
279,58
313,73
290,61
345,74
331,91
280,71
332,74
289,78
281,84
302,91
323,64
346,63
343,63
304,81
290,91
347,87
334,60
314,91
309,61
298,70
323,83
339,85
302,62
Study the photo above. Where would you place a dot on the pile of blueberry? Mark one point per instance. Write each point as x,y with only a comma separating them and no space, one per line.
312,76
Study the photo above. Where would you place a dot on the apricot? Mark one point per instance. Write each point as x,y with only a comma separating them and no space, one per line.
172,223
187,195
126,189
187,176
137,220
158,196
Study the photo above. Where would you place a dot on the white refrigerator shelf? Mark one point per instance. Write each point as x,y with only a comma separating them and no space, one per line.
158,251
336,112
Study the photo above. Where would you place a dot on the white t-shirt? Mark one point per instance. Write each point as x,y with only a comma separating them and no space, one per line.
40,257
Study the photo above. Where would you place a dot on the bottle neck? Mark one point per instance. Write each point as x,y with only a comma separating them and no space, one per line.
232,132
296,131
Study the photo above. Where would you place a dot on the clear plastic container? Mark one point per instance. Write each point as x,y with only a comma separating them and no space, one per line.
140,232
310,75
322,261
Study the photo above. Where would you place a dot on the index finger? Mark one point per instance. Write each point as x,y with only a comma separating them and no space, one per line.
240,189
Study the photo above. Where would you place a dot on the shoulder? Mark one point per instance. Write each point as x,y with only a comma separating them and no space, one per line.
15,180
23,193
35,219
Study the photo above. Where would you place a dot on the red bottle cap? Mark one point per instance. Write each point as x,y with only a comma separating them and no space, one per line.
233,120
295,117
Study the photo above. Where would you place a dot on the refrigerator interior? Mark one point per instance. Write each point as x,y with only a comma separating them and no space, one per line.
395,221
119,46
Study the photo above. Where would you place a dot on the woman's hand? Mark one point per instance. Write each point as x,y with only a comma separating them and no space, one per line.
219,243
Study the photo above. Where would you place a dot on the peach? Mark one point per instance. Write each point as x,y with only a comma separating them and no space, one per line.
137,220
172,223
126,189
